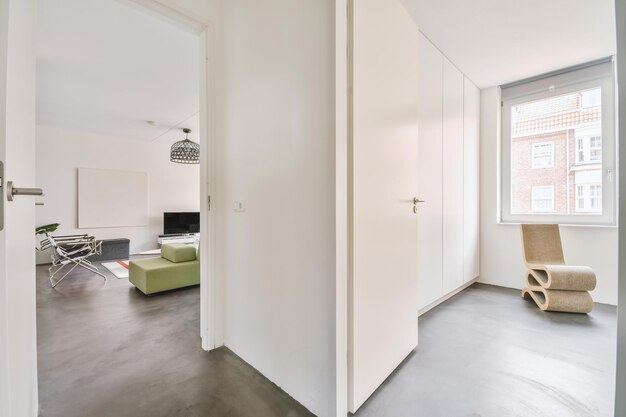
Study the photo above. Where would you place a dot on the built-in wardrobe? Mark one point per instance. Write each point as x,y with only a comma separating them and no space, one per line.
412,189
448,214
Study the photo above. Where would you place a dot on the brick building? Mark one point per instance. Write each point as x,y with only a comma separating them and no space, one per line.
556,155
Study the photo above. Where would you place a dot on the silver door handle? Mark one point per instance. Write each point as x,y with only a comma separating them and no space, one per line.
13,191
415,201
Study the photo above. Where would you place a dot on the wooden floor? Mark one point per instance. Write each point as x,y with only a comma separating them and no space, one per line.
110,351
488,353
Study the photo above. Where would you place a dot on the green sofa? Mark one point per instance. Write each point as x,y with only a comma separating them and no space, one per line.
178,267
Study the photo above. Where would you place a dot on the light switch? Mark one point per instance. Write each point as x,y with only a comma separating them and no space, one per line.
239,206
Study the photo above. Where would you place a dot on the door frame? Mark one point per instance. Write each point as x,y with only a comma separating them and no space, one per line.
210,304
620,401
343,197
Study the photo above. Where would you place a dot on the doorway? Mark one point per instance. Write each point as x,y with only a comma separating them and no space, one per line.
22,390
119,88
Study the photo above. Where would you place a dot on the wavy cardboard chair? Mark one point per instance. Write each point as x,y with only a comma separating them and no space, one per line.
553,285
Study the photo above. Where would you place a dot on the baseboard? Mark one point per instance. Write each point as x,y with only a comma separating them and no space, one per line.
446,297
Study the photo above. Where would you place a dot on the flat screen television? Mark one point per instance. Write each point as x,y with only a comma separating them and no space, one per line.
176,223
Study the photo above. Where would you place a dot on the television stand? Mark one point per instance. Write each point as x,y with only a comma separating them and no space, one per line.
179,238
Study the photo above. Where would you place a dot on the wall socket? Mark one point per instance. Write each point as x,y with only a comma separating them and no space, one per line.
239,206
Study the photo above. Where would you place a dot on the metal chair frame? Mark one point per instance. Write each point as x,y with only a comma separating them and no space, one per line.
71,251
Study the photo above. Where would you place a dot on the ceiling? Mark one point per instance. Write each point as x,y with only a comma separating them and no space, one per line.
499,41
108,67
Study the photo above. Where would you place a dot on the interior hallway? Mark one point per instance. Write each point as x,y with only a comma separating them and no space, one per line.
488,353
110,351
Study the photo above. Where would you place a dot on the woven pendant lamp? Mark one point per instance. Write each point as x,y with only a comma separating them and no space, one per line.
185,151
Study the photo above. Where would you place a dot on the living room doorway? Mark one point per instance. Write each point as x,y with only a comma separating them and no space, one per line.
122,142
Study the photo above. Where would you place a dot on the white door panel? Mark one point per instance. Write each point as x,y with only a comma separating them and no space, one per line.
429,168
383,316
471,179
18,354
452,177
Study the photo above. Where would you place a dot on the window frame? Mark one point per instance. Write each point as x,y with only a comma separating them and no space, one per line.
608,170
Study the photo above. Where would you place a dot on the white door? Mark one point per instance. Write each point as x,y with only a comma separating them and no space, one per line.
383,314
452,178
430,173
471,178
18,349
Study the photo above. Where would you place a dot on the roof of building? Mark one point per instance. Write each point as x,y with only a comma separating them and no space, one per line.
552,114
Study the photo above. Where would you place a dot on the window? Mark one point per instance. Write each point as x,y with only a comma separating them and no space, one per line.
595,148
543,155
580,196
543,199
595,197
558,148
589,198
589,145
591,98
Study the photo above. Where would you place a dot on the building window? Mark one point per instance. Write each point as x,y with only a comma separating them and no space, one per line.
589,144
580,197
589,198
543,155
595,148
543,199
563,122
591,98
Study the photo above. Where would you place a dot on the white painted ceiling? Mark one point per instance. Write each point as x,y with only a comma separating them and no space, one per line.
499,41
108,66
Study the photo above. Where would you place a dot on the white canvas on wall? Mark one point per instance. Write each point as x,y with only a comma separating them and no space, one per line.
110,198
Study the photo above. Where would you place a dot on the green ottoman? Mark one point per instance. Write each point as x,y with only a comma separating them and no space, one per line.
176,268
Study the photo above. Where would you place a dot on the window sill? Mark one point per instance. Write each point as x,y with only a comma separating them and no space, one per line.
597,226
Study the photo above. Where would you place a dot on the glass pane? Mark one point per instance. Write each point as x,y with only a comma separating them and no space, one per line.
543,199
556,155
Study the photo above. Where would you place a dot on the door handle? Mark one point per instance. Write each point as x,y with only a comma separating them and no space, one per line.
13,191
415,201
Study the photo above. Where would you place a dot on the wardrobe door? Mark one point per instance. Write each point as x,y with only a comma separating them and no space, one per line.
429,212
471,179
452,177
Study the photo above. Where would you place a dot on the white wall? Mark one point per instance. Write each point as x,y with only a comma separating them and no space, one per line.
171,187
271,64
275,151
501,257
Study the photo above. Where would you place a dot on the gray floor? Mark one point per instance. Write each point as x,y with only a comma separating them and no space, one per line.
110,351
488,353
